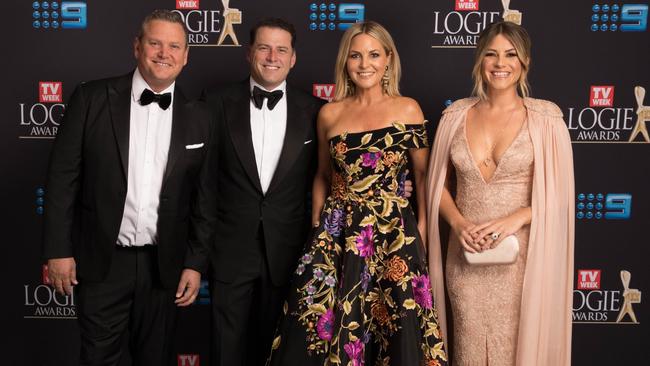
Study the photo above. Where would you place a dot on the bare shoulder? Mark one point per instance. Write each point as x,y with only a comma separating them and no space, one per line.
329,114
410,109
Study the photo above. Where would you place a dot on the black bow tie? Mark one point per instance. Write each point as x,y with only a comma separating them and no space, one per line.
163,100
273,97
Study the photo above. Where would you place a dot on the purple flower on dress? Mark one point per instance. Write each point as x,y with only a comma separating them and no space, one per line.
311,289
366,337
319,274
309,300
325,325
400,185
422,291
330,281
365,278
365,242
355,352
334,222
300,269
370,159
307,258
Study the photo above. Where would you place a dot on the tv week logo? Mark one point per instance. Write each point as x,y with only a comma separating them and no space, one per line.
601,96
189,360
324,91
50,92
187,4
466,5
588,279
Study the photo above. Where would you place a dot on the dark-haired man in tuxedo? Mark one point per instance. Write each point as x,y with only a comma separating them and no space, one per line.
266,156
124,171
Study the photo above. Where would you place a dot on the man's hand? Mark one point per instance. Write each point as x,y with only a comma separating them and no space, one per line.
408,186
188,287
62,273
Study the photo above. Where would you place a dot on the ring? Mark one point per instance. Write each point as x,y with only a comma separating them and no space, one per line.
495,236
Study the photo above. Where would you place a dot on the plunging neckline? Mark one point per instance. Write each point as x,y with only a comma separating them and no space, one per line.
498,161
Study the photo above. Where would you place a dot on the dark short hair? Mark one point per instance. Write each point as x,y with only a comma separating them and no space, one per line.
274,23
164,15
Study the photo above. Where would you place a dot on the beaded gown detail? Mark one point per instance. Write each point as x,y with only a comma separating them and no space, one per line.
361,294
486,300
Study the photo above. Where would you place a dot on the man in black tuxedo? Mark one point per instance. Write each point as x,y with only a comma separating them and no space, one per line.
121,223
265,159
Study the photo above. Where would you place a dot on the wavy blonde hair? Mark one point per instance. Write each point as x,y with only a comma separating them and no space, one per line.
377,31
519,38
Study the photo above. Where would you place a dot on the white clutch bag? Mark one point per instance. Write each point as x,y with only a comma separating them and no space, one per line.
505,253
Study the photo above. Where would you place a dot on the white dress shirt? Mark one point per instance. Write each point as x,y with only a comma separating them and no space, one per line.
267,131
149,136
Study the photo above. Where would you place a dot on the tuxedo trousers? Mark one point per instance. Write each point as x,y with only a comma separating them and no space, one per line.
245,312
131,302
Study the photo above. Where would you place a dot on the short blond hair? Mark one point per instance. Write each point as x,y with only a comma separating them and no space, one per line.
378,32
165,16
519,38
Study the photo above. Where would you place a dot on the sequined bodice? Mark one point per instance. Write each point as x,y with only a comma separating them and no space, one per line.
509,187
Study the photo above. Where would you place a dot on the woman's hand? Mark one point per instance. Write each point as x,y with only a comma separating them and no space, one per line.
491,233
465,231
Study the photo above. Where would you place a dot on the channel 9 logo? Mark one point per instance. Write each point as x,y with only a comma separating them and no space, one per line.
204,294
332,16
624,18
66,15
610,206
40,200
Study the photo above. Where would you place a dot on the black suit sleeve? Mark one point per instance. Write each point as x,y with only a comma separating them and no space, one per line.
64,179
204,212
208,196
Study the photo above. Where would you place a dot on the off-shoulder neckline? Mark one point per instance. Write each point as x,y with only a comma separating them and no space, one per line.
392,125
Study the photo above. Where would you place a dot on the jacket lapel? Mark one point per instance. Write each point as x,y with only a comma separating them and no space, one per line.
297,125
238,116
180,114
119,101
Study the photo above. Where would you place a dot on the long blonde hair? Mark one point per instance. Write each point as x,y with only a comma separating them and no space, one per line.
345,88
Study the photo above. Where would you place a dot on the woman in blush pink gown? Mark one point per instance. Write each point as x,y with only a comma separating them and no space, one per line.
502,165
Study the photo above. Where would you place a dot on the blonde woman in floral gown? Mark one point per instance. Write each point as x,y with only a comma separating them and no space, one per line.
361,293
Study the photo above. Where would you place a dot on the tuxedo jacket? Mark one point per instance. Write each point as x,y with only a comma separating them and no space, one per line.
87,182
243,212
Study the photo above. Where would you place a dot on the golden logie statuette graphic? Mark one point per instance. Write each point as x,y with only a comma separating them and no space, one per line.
630,296
230,16
642,115
510,15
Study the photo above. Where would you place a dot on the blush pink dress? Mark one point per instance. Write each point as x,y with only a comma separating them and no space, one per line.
544,323
486,300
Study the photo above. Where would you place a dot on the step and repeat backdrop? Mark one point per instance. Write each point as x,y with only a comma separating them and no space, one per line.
591,58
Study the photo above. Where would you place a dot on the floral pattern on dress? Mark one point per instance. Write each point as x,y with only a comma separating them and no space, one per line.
363,277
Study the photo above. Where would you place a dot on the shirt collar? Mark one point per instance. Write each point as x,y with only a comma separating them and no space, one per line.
138,85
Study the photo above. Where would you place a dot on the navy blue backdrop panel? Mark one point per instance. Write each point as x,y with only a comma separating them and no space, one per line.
591,58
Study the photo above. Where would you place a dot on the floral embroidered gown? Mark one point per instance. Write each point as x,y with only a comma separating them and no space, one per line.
361,294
